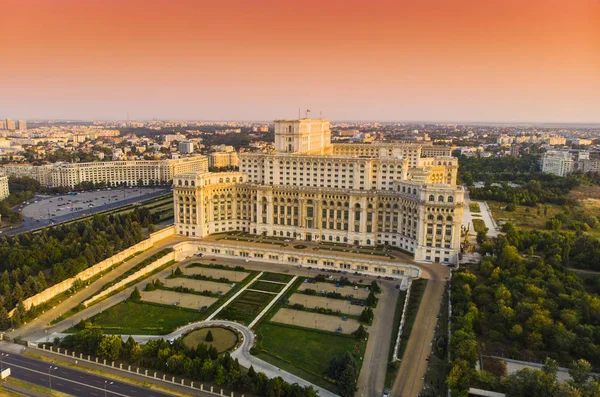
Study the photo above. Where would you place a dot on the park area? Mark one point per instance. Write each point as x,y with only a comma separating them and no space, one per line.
222,338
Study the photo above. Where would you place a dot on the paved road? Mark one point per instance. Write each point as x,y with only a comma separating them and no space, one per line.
70,381
43,209
409,382
372,374
38,327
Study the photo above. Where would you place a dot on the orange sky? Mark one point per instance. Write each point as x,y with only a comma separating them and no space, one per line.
437,60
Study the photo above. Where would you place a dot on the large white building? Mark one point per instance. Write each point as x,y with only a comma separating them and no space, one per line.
402,195
113,173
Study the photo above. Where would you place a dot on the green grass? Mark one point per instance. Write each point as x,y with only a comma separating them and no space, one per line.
282,278
474,207
245,307
523,217
305,352
143,318
270,287
479,225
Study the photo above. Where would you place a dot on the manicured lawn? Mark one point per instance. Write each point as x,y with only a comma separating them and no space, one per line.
245,307
474,207
282,278
304,350
479,225
142,318
223,338
261,285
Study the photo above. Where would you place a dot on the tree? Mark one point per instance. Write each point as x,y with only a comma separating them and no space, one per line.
347,382
110,347
135,295
251,372
209,336
375,287
580,371
220,375
366,316
212,351
371,299
530,383
360,332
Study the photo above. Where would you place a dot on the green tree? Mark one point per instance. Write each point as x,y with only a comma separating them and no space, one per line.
530,383
360,333
220,375
135,296
347,381
580,372
209,337
110,347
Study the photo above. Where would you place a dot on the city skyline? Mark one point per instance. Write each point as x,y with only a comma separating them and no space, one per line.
394,61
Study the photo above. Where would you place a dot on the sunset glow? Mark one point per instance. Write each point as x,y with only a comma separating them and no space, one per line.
492,60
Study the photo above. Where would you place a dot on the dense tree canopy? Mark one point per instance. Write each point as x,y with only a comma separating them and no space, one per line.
30,261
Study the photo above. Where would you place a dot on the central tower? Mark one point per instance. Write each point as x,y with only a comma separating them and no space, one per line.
303,136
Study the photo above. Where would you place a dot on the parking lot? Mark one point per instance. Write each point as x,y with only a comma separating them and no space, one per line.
312,301
80,203
198,285
359,293
315,320
190,301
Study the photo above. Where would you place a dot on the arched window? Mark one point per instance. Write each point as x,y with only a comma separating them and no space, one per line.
441,199
449,218
192,183
440,218
450,199
430,217
431,197
186,183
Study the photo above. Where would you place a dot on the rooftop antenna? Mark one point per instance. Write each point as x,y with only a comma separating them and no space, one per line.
299,113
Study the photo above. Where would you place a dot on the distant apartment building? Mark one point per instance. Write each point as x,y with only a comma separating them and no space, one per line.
4,187
174,137
10,125
21,125
559,163
186,147
113,173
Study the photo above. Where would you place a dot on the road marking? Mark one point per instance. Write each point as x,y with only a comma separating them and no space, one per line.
275,299
68,380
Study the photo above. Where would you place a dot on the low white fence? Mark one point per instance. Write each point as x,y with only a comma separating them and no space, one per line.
150,374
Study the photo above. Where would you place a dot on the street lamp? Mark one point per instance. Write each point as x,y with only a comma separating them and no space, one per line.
106,383
50,376
1,359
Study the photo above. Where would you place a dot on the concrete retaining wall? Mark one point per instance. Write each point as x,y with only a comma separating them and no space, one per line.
90,272
179,253
142,272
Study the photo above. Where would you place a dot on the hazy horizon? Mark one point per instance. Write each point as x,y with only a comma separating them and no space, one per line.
449,62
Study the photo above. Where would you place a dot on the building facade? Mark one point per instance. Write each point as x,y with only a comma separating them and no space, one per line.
309,189
4,187
113,173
